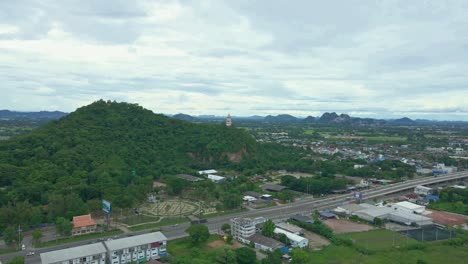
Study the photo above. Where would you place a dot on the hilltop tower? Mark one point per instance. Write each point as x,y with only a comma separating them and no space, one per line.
228,120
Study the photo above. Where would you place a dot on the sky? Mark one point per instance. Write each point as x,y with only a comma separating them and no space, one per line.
366,58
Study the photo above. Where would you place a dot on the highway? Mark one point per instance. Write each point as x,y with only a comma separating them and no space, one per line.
305,206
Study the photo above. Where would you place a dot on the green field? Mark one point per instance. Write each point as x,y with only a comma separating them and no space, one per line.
379,239
434,253
386,139
185,252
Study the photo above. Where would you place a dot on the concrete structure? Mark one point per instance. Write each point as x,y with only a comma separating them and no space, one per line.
242,228
216,178
87,254
290,228
422,190
83,224
140,248
295,240
409,207
265,243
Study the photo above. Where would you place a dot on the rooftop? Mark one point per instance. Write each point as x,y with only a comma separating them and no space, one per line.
273,187
302,218
409,205
188,177
72,253
207,172
133,241
291,236
266,241
82,221
289,227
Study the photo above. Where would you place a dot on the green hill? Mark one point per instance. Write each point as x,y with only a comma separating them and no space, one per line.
93,151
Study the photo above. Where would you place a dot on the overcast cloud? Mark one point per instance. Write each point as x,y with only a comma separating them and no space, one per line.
365,58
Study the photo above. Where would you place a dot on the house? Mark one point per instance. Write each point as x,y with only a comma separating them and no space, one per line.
83,224
87,254
422,190
302,219
216,178
327,215
290,228
295,240
273,187
265,243
139,249
253,194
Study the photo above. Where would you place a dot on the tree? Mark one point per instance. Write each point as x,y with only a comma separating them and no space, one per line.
268,228
198,233
283,238
299,256
226,228
16,260
37,235
9,235
63,226
227,256
246,255
273,257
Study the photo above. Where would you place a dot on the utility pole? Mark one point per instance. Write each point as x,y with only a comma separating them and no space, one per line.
19,236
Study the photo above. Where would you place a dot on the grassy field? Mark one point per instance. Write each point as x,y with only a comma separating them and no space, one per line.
223,213
434,253
386,139
78,238
163,222
184,251
379,239
8,250
138,219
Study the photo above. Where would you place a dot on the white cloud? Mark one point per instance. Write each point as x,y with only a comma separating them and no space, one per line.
212,57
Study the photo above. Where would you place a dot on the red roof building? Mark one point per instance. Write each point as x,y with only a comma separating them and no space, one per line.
83,224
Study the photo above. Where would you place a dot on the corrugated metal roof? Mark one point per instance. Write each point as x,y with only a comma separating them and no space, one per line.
72,253
133,241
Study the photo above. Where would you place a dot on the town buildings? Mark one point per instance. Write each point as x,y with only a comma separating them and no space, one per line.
242,228
87,254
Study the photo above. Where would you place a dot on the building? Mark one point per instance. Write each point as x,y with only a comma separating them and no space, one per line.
253,194
206,172
83,224
295,240
371,212
302,219
422,190
247,198
87,254
140,248
409,207
216,178
242,228
290,228
273,187
348,209
407,218
228,120
188,177
265,243
327,215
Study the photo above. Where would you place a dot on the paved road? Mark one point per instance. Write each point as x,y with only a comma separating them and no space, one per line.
283,211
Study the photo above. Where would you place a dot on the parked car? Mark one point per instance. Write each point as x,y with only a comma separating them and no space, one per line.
30,253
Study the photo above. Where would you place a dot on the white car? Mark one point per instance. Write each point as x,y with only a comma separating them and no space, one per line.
31,253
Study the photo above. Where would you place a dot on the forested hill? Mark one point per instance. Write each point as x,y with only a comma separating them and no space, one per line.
93,151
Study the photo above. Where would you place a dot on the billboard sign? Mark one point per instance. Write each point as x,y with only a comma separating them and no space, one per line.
106,207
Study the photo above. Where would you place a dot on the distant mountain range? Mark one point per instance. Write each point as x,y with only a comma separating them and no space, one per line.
7,114
326,118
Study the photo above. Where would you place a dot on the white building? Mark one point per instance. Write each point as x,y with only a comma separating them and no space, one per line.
242,228
409,207
422,190
87,254
404,217
216,178
228,120
295,240
206,172
140,248
248,198
372,212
